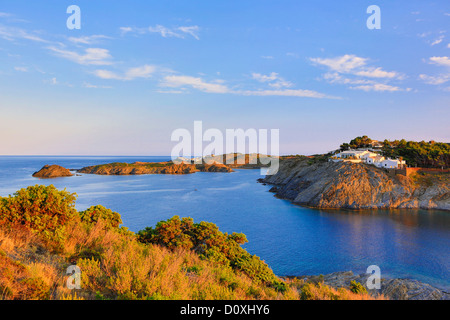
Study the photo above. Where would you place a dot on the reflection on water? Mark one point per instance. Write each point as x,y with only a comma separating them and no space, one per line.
293,240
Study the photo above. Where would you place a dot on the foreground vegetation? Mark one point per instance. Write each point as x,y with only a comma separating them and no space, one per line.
42,234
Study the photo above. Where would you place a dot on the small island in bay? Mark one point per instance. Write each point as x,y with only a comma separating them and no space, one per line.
52,171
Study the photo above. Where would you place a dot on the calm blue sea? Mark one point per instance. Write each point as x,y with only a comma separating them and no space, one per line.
293,240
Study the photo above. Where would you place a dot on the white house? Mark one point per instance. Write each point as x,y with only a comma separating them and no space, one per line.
393,163
354,155
375,160
358,156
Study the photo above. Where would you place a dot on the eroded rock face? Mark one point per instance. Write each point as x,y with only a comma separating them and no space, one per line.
353,186
53,171
394,289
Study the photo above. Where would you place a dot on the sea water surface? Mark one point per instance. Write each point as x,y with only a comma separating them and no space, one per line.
293,240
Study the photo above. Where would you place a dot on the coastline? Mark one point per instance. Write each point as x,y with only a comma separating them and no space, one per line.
393,288
352,209
339,185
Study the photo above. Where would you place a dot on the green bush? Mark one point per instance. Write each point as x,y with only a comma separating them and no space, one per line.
95,213
357,287
210,244
43,209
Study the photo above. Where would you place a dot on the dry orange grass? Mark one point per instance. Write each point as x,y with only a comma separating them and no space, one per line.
321,291
116,266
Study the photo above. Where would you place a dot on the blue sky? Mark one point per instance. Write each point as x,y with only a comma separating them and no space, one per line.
137,70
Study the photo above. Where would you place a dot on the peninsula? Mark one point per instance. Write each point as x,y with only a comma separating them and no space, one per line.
220,163
318,183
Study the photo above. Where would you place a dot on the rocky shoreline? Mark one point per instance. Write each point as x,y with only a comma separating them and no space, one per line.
342,185
394,289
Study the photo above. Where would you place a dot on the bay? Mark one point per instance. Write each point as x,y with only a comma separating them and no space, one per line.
293,240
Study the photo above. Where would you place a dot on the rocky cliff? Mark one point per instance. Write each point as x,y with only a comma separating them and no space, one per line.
356,186
152,168
53,171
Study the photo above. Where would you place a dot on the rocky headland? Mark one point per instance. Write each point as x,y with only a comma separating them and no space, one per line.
137,168
52,171
332,185
220,163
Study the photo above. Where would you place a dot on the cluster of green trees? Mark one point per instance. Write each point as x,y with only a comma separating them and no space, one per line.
358,142
419,154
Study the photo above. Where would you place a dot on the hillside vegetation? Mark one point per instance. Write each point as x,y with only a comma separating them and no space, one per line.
42,234
419,154
424,154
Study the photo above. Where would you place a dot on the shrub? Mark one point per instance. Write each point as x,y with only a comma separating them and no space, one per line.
357,287
209,243
43,209
95,213
36,289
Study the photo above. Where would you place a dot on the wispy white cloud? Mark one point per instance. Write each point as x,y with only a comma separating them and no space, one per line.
88,39
192,30
181,91
91,56
54,82
378,73
424,34
21,69
438,40
273,79
92,86
355,65
145,71
443,61
216,86
166,32
435,80
359,75
380,87
140,72
335,77
343,64
108,75
265,78
125,30
12,34
361,84
440,78
287,93
292,54
5,15
178,81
